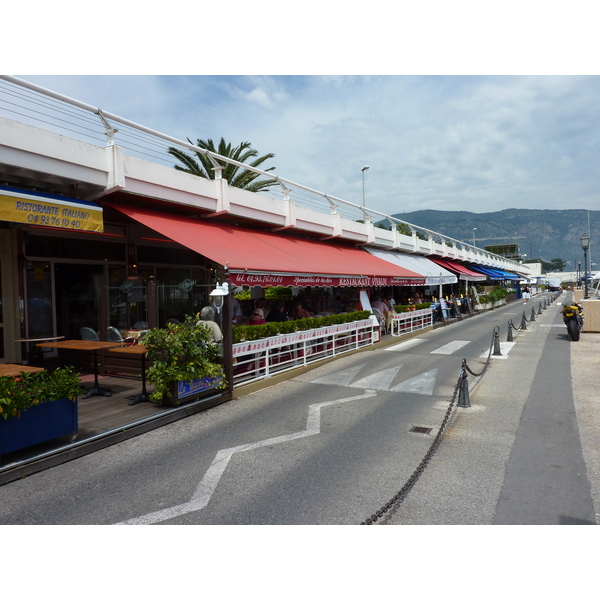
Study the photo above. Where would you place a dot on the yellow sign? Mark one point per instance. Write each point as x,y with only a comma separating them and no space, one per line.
19,207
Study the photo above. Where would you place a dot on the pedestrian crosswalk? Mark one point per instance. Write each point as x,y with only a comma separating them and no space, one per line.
423,383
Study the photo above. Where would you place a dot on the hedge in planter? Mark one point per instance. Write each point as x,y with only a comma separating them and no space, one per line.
18,394
181,352
254,332
38,407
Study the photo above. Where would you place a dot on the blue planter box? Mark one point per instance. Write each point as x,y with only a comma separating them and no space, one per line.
186,391
38,424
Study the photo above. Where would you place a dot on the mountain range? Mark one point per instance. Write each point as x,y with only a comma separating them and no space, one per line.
541,234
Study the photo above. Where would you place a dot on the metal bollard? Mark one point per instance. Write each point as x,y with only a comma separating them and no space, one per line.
496,351
463,388
524,322
532,315
539,312
509,335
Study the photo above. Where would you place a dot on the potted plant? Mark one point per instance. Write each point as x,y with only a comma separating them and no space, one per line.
184,362
37,407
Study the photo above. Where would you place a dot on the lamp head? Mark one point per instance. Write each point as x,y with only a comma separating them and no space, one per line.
585,241
218,295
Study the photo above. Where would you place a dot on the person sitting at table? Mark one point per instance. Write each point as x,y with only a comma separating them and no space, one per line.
206,320
383,308
277,313
257,317
298,312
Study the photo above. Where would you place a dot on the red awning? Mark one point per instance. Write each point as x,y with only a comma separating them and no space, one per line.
460,270
265,259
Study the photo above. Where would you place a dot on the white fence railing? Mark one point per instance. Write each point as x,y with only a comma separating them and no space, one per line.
260,359
411,321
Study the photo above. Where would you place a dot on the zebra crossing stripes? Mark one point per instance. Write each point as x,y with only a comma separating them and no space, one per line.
422,384
450,348
405,345
377,381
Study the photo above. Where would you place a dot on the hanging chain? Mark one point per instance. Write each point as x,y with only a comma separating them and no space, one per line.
417,473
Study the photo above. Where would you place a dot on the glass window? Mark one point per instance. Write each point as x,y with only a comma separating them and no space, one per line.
180,291
78,289
39,299
127,298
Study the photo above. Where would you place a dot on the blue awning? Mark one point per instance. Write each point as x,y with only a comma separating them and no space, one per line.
491,273
495,274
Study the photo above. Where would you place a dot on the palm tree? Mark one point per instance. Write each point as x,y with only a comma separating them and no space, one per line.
201,165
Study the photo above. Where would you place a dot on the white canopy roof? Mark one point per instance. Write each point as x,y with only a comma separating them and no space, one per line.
434,274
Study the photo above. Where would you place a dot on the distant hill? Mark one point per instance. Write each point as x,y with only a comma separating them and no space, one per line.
543,234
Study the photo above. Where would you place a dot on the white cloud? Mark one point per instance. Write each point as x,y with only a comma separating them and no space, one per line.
452,142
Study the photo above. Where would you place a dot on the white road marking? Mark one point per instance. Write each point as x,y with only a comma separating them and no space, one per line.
209,482
339,377
421,384
405,345
505,348
450,348
378,381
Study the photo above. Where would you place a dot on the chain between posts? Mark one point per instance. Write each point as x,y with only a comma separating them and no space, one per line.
463,402
417,473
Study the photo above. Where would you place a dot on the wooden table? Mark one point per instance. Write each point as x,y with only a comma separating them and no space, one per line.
88,346
10,370
140,349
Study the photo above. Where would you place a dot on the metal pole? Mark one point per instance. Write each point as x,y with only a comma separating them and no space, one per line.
463,388
585,271
363,181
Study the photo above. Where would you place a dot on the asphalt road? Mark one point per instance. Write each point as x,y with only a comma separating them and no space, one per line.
333,445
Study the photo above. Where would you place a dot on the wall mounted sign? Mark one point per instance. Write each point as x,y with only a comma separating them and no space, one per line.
49,211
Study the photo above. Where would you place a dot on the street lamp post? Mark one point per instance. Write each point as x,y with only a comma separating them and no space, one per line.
474,230
585,244
365,168
578,272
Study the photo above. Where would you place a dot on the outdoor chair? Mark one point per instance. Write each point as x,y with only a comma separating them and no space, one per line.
380,319
114,335
87,333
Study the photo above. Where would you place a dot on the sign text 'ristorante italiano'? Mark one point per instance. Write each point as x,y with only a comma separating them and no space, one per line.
49,211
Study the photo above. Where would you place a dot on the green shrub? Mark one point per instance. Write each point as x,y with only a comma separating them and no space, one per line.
498,293
17,394
241,333
181,352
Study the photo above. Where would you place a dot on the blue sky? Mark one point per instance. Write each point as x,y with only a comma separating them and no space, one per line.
435,132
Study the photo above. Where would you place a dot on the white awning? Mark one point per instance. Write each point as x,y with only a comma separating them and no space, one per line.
433,273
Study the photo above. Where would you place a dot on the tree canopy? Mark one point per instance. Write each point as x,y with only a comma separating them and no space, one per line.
199,164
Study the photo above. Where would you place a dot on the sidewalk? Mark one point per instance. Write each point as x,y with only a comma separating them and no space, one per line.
585,373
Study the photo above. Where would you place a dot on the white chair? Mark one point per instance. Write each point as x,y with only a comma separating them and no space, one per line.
87,333
380,319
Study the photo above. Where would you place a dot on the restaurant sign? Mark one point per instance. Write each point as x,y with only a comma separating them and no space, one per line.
268,280
49,211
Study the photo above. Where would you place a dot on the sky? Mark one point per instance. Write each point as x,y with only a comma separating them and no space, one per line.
476,143
447,114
